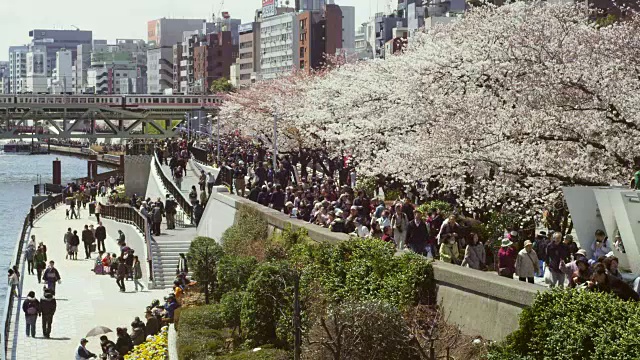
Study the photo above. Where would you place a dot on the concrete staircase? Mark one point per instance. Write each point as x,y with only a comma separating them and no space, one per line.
165,260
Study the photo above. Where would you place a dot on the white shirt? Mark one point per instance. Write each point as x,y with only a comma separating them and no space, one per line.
384,222
212,179
362,231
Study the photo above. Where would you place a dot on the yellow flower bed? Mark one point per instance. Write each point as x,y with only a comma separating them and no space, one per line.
155,348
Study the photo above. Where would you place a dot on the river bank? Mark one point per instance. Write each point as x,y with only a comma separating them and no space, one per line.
84,152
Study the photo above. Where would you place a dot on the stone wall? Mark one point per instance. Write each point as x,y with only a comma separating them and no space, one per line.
481,303
136,174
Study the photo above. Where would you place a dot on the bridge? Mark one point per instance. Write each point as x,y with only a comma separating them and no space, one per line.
100,116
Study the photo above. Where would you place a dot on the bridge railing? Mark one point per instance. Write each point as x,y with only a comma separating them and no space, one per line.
181,199
40,209
225,174
129,215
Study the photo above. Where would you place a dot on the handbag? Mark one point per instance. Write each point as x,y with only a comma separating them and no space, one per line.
506,272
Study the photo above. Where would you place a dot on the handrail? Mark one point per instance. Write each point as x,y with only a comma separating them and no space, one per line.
184,203
225,173
128,214
40,209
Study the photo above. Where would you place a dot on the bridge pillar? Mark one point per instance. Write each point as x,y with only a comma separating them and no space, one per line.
57,172
92,169
122,163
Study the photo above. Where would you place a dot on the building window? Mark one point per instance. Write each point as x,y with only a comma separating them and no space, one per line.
301,64
301,52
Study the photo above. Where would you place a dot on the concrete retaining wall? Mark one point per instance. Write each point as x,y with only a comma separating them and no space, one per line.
136,174
480,303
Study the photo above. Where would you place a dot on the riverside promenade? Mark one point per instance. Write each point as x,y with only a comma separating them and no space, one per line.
84,300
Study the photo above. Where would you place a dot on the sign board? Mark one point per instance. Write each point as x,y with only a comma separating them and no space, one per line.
153,32
268,8
36,63
245,28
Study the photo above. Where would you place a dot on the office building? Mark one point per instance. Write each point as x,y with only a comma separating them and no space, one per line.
36,82
348,27
243,71
213,55
278,34
119,68
17,69
51,41
4,77
61,79
162,35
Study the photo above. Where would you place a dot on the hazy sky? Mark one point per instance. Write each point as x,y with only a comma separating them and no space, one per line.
125,19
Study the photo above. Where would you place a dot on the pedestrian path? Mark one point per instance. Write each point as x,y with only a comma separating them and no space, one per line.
189,179
85,300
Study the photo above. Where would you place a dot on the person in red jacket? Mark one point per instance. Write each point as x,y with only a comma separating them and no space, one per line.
507,259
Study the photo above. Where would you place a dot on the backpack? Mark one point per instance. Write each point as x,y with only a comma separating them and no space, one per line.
32,310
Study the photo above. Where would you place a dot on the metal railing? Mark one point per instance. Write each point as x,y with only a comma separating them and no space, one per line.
101,177
225,174
129,215
181,199
200,155
40,209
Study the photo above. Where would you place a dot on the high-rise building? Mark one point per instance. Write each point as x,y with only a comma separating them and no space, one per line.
320,36
213,55
51,41
363,49
348,27
243,71
4,77
162,35
278,37
384,25
119,68
17,69
61,79
37,70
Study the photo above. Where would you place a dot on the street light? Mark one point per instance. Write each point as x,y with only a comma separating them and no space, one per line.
218,125
275,140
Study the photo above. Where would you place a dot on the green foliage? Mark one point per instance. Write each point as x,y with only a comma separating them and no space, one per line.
365,269
605,21
573,324
221,85
200,332
493,229
234,273
248,236
204,254
373,330
162,125
366,184
266,306
443,206
231,308
393,195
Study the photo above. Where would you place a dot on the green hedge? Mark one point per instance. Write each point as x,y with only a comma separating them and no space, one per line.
248,235
200,332
572,325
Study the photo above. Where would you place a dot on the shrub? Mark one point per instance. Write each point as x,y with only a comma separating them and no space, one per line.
248,236
372,330
443,206
574,324
265,353
201,333
234,273
266,306
365,269
204,254
155,348
231,309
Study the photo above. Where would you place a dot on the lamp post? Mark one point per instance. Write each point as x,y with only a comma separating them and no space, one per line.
275,141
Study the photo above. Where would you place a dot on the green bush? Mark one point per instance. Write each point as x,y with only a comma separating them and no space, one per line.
200,332
266,306
365,269
248,236
574,324
372,330
231,309
265,353
204,255
443,206
234,273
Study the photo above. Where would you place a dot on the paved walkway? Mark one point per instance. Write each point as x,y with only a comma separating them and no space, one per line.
85,300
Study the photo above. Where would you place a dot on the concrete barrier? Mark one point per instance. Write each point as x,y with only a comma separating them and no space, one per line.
480,303
136,174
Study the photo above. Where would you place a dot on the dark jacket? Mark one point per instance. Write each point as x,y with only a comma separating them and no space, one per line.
122,269
75,240
84,353
153,326
263,198
170,207
277,200
101,233
124,344
48,305
618,287
87,236
157,214
31,303
51,274
555,254
417,235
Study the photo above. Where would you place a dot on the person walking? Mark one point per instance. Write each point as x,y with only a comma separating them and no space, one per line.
88,240
72,206
97,211
51,276
170,211
137,273
32,215
40,262
156,218
82,353
506,259
475,255
73,248
399,223
31,308
527,263
48,305
13,280
67,241
211,180
101,235
418,235
121,274
29,255
193,195
183,266
556,254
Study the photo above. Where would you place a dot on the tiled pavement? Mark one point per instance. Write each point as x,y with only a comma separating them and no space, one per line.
85,300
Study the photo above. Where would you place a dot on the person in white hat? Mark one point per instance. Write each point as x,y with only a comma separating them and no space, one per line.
527,263
507,259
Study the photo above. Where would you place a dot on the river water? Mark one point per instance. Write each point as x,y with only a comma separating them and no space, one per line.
18,174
